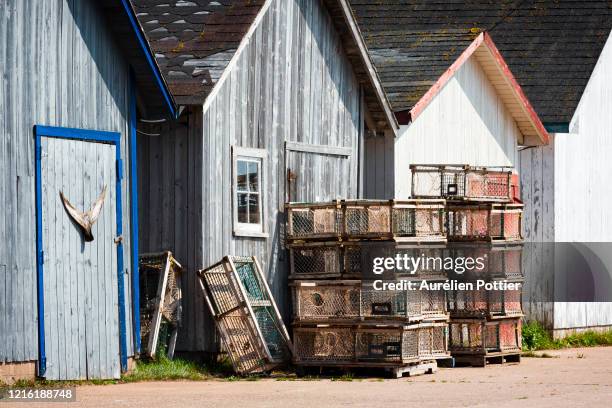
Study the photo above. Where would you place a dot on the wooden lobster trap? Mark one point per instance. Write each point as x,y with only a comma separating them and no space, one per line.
475,340
496,260
314,221
462,182
356,300
367,219
485,303
430,260
369,344
315,260
418,220
248,320
160,302
484,222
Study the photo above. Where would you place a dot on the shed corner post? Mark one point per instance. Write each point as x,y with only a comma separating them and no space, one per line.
132,115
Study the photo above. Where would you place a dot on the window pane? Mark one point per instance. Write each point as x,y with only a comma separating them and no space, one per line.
243,215
253,176
254,208
241,177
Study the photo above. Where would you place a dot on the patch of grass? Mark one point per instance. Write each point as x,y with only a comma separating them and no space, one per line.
165,369
535,337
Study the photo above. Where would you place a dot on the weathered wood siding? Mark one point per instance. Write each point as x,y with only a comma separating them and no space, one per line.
292,82
538,187
582,189
60,67
379,166
170,200
466,122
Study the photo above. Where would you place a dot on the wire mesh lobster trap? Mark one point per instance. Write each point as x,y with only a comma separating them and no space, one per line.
424,262
315,260
326,300
418,220
491,260
484,222
160,302
358,259
489,303
369,219
372,344
314,220
351,300
249,323
482,336
459,182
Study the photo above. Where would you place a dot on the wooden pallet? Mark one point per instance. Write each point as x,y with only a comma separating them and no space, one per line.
482,360
394,371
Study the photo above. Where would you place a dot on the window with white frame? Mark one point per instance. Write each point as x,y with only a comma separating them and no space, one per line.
248,200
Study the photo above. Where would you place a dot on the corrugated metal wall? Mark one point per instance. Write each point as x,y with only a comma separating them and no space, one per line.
59,67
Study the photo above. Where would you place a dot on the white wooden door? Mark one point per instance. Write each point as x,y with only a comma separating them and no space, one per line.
80,277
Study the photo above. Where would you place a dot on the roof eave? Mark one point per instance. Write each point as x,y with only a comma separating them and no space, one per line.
150,58
371,71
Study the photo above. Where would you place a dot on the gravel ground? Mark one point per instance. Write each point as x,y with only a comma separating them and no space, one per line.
575,377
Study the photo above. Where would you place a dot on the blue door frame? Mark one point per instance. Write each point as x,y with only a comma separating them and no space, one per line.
91,136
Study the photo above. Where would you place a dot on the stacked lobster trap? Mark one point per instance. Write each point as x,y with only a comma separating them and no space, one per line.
340,317
483,220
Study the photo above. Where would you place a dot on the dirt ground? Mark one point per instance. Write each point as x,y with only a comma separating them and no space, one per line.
575,377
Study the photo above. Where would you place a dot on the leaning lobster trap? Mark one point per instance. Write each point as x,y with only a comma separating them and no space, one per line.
356,300
463,182
482,336
367,219
248,320
160,302
487,303
484,222
314,221
418,220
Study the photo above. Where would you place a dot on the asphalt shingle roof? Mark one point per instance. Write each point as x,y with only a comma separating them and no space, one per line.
551,46
194,40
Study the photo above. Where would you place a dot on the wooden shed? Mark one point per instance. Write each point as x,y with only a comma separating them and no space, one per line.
277,97
73,85
559,54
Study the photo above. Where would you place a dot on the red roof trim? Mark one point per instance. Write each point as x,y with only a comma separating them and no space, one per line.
483,38
535,119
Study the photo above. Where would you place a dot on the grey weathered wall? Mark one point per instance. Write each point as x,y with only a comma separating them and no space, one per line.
59,66
292,82
537,170
170,200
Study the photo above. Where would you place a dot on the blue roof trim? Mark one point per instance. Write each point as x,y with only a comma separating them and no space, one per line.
144,45
557,127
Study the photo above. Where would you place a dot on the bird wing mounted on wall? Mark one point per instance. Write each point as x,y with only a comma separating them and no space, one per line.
85,219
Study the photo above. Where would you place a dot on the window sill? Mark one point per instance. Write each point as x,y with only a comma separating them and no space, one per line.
250,234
